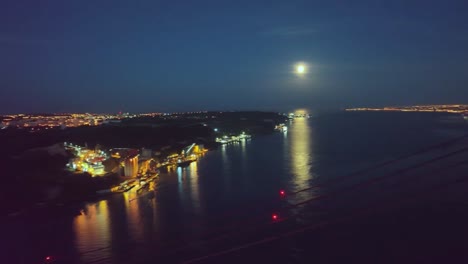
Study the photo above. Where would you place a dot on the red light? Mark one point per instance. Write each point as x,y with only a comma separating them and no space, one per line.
282,192
274,217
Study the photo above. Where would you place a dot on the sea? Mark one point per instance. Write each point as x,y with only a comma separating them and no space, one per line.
338,187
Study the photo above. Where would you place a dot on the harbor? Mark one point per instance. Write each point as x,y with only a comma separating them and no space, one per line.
232,139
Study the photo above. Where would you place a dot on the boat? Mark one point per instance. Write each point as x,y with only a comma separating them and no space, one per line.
302,116
185,162
244,136
128,188
281,127
465,115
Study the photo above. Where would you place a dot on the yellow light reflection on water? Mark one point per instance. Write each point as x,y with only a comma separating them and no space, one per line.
92,228
132,209
243,143
244,155
194,170
188,187
224,154
194,186
300,151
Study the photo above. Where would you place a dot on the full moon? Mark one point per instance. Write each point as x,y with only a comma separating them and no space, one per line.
301,69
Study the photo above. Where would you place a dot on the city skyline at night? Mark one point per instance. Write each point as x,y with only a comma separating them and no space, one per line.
244,131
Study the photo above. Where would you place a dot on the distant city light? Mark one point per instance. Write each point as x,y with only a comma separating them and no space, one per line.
417,108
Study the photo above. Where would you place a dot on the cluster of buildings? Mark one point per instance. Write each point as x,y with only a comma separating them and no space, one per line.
39,122
127,162
124,161
298,115
230,139
175,114
133,162
418,108
86,160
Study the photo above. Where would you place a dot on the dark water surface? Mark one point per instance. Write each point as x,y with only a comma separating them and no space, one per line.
220,208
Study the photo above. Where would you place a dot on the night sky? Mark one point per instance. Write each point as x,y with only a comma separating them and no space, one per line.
153,56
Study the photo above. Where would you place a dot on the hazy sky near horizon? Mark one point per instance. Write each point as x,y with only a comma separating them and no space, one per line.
144,56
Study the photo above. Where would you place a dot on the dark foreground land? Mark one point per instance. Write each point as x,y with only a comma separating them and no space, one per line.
34,172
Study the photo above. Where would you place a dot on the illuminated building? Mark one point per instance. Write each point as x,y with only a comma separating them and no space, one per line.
96,169
131,166
143,166
87,160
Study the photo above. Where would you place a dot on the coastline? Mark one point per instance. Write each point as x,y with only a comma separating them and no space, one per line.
31,201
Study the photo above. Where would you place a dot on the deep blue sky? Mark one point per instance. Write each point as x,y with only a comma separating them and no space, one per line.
142,56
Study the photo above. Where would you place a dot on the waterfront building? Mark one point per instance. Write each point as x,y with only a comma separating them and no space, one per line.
131,166
143,166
